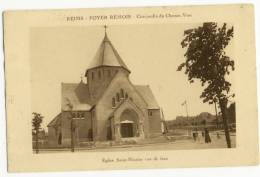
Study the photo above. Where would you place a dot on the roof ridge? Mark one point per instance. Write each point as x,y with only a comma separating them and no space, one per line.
103,47
76,83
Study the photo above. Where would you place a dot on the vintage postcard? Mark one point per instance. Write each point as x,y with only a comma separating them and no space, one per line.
124,88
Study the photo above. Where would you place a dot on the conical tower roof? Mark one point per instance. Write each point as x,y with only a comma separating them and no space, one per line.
107,56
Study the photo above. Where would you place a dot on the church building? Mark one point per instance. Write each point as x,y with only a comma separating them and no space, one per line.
109,107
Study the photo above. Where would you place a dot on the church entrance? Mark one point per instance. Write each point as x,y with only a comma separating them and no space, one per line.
128,124
127,130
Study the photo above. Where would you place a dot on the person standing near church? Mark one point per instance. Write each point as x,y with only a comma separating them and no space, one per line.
207,137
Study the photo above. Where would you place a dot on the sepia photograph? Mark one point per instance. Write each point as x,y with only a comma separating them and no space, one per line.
130,88
112,88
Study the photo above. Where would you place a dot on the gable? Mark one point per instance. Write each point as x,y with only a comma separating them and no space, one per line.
121,81
129,105
104,106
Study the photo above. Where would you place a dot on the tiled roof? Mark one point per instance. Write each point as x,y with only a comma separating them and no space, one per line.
75,96
148,96
55,121
107,56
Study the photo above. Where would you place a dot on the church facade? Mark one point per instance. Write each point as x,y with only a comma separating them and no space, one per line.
109,107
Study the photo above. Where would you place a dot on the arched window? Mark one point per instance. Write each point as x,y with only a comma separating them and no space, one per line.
117,97
99,74
113,102
126,95
122,93
93,75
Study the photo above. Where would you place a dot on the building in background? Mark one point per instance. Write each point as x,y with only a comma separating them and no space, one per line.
203,120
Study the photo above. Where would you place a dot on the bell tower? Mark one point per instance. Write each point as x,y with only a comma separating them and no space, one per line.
104,66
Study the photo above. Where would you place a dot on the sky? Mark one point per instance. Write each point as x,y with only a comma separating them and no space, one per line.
151,52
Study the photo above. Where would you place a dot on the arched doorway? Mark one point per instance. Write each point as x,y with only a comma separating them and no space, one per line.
129,124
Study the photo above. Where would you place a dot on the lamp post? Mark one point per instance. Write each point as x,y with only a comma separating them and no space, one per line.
72,125
72,129
188,120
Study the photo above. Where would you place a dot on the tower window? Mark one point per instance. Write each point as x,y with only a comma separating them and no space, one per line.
93,75
117,97
113,102
122,93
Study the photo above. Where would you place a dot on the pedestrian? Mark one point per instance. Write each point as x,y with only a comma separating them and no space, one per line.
202,133
207,137
194,136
